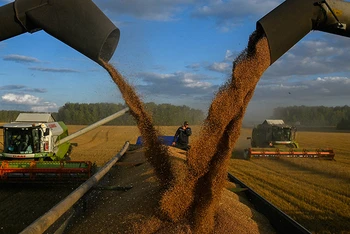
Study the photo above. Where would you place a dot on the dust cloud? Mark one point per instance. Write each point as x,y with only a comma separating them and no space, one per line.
193,197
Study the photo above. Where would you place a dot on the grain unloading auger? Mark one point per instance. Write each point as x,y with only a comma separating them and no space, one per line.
288,23
36,147
274,138
78,23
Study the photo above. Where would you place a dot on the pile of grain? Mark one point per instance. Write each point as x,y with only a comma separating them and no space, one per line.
137,210
190,200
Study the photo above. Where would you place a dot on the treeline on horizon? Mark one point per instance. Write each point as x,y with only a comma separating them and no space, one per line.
89,113
171,115
318,116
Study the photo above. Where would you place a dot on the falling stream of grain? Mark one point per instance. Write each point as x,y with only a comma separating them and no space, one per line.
156,153
195,197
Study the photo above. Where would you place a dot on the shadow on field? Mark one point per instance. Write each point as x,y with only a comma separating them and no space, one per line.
309,167
330,223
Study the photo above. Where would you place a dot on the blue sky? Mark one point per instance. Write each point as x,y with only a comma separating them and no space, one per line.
178,52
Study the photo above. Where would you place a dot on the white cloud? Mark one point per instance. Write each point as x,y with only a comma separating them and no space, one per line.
174,84
230,56
343,80
55,70
193,66
234,8
312,56
325,90
221,67
196,84
158,10
22,88
20,58
282,87
21,99
45,107
178,88
229,14
28,102
318,91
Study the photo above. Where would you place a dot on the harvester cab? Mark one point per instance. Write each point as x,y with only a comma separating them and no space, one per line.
273,134
274,138
33,136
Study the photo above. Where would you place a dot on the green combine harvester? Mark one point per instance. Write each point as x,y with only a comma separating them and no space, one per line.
36,147
274,138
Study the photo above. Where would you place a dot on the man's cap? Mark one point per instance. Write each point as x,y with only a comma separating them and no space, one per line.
185,123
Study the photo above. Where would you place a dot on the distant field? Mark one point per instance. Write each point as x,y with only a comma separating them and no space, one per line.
103,143
316,193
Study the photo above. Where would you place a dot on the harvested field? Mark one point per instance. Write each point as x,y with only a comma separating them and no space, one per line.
316,193
101,144
313,192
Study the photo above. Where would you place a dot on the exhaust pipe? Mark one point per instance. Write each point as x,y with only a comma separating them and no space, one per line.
293,19
77,23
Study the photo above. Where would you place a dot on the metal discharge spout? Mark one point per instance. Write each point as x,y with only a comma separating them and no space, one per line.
78,23
92,126
288,23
